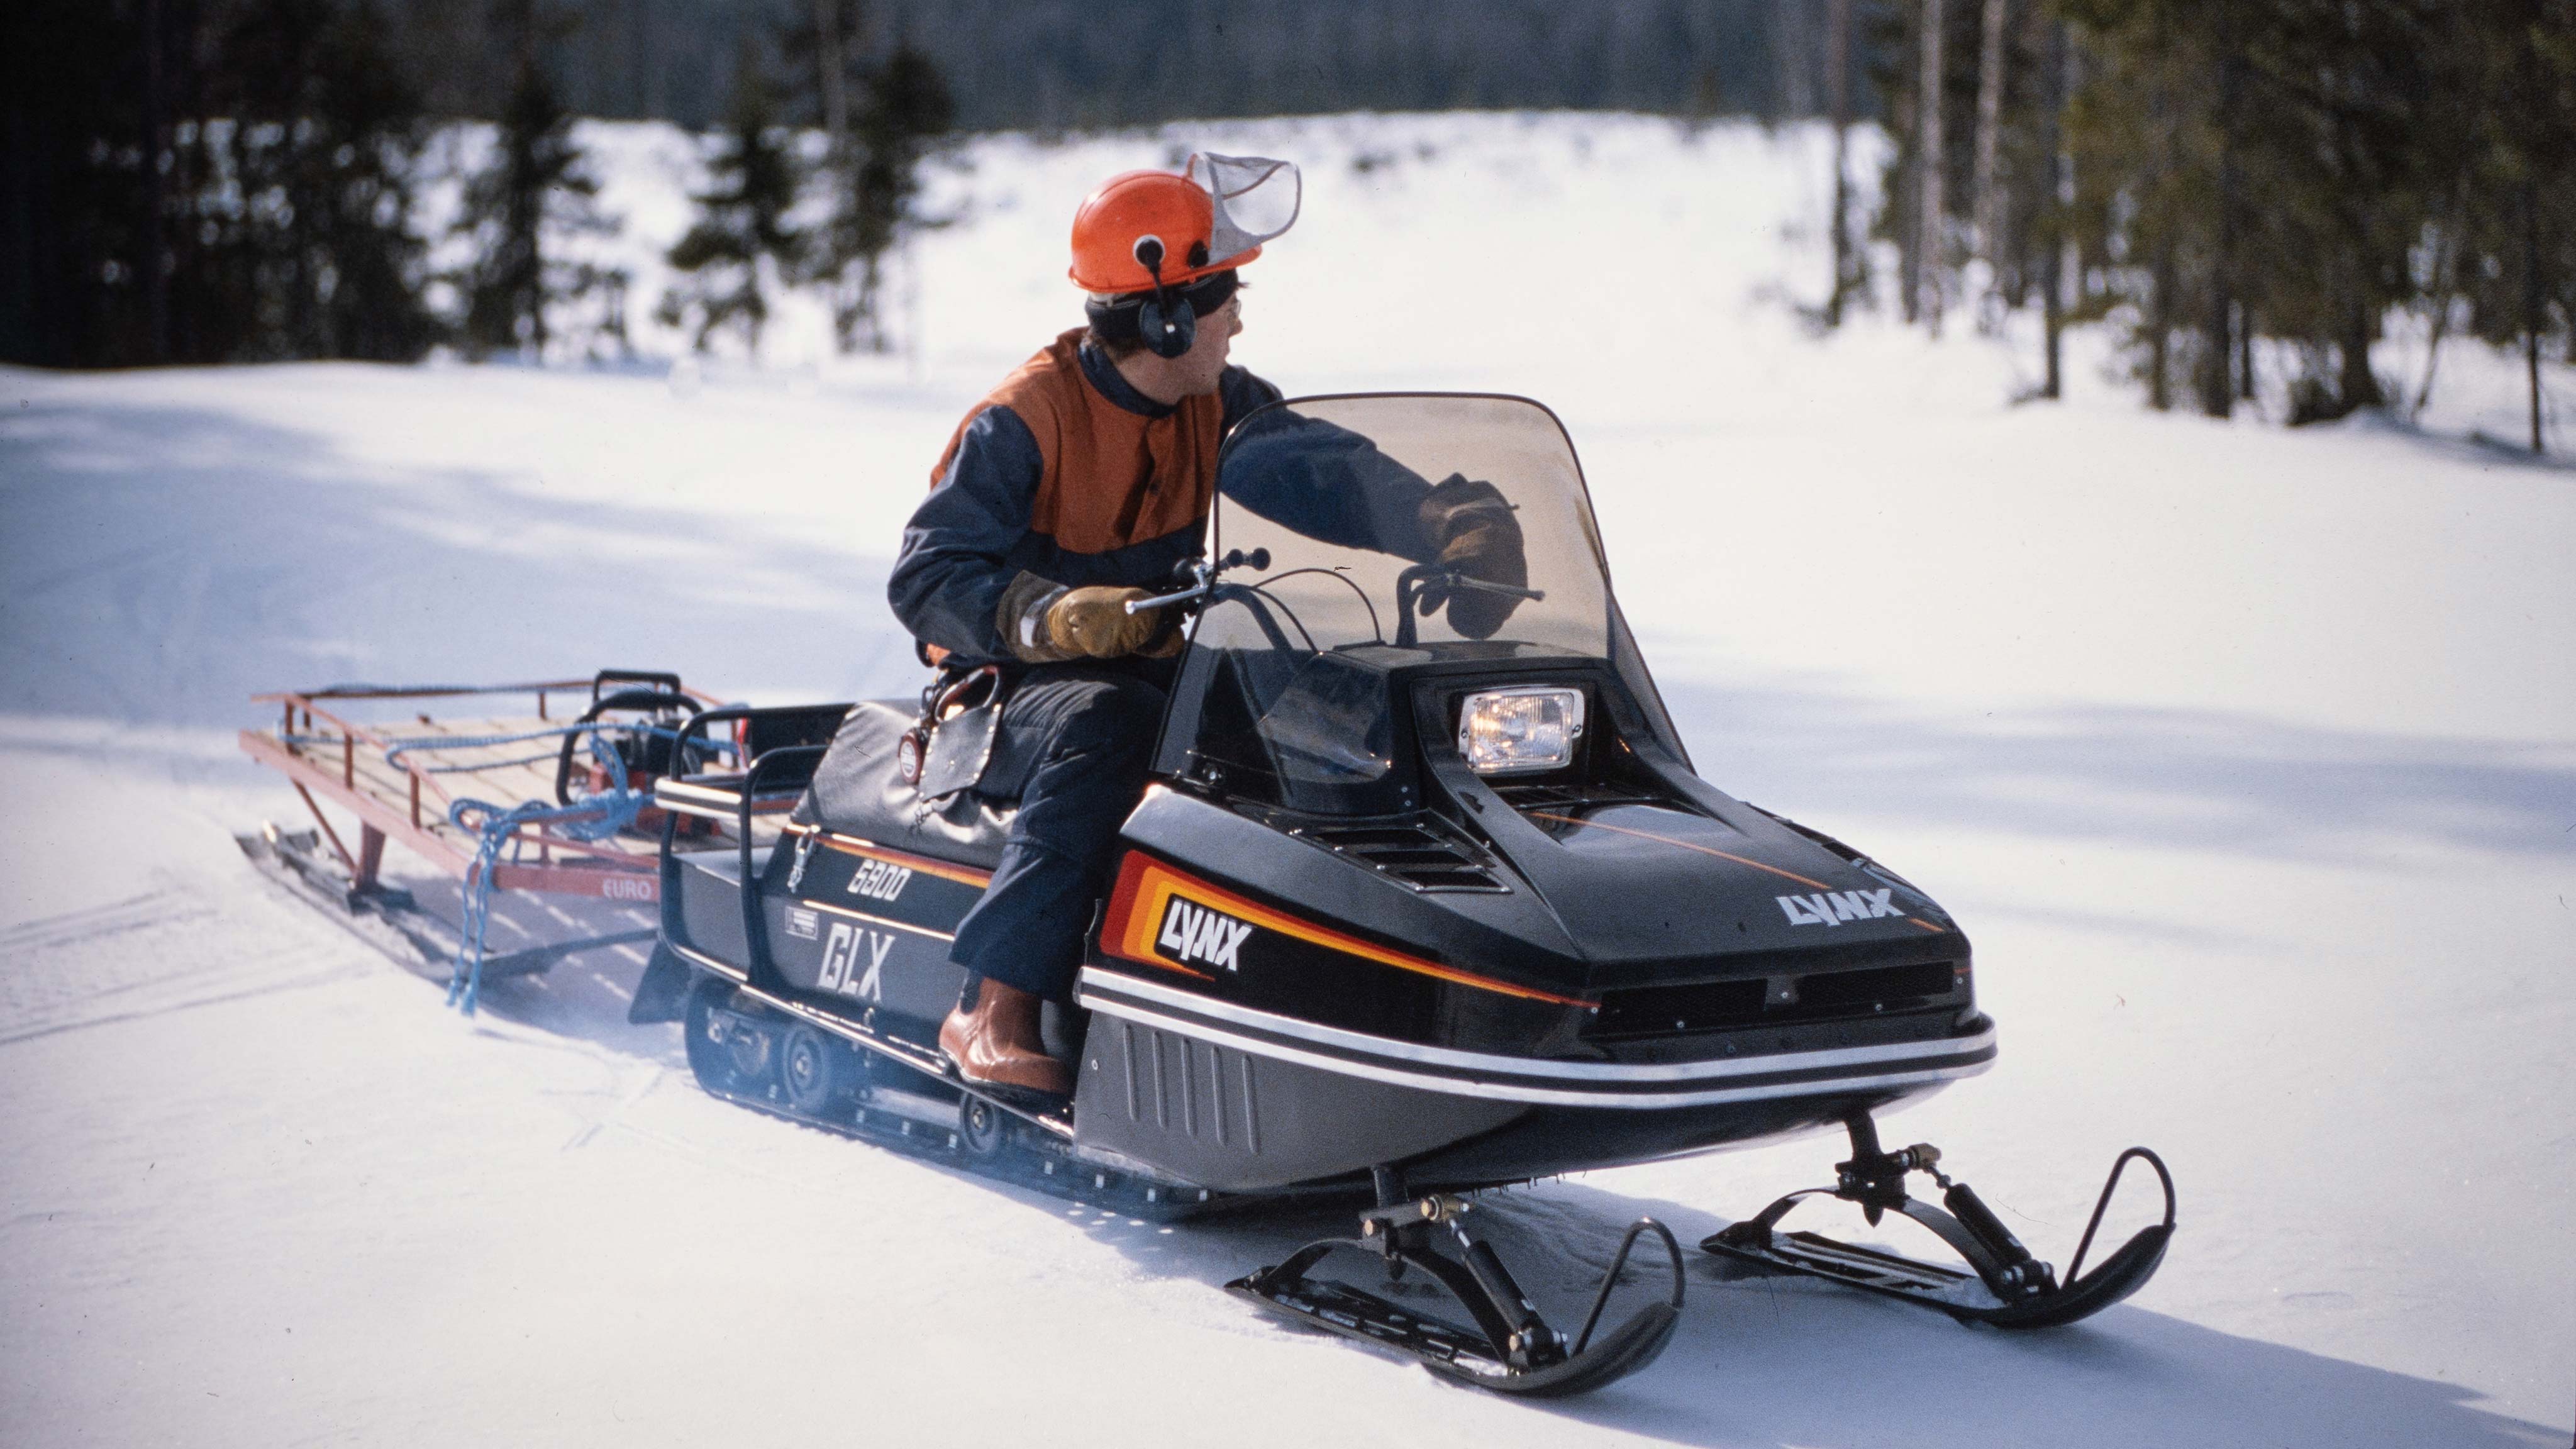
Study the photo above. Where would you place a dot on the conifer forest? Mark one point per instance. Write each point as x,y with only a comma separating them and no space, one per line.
232,180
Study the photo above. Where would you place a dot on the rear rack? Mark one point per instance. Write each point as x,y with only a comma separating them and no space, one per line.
405,798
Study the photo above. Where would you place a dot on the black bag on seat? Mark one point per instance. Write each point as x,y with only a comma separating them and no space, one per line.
857,791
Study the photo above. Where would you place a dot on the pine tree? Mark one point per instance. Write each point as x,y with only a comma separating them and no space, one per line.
902,108
1838,75
324,138
535,189
2518,234
2257,163
742,222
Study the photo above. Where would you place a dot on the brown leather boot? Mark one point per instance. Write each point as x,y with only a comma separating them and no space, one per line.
997,1041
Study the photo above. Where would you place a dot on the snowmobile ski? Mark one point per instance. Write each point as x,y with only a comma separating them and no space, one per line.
1511,1350
2002,1284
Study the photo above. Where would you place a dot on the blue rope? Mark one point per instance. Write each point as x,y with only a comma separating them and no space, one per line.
596,818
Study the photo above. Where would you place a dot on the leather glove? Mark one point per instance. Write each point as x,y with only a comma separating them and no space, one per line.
1044,622
1093,623
1470,528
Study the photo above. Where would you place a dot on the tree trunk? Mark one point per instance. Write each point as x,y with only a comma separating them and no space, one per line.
156,279
2531,294
2446,269
1909,203
1838,93
2360,385
2160,330
1987,185
2217,398
2053,266
2244,353
2160,305
1929,143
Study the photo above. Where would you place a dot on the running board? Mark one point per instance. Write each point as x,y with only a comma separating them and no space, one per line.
1056,1120
966,1131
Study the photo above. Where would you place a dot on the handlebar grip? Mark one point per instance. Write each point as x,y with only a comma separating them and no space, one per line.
1138,606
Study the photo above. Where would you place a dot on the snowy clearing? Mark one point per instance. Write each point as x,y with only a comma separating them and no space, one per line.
2244,755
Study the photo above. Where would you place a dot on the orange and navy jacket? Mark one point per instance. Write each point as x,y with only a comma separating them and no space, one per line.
1068,473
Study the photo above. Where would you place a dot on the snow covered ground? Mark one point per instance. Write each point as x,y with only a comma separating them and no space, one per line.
2247,757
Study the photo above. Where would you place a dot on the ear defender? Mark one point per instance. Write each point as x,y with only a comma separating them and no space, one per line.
1167,321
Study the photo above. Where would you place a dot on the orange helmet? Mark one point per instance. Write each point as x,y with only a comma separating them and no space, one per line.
1209,218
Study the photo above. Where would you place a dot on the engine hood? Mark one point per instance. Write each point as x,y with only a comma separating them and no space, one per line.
1706,886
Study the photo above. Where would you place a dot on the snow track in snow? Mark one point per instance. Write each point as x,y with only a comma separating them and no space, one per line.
144,957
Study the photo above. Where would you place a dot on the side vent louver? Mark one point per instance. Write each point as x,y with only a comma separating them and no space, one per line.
1412,854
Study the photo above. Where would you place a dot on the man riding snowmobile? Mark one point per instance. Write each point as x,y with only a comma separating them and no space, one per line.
1079,487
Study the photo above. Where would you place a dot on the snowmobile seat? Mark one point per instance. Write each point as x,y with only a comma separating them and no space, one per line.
724,864
857,792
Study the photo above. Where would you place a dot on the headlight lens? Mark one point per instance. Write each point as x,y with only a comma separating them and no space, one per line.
1516,731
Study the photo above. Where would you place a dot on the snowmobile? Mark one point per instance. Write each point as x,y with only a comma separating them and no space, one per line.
1404,914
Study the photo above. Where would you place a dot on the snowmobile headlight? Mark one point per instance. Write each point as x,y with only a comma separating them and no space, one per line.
1515,731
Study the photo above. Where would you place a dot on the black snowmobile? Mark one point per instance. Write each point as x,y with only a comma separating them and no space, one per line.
1404,915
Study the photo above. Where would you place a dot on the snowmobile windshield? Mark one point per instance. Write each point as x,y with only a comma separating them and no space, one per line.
1366,533
1468,510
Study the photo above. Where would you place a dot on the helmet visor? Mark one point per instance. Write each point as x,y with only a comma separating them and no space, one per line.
1255,199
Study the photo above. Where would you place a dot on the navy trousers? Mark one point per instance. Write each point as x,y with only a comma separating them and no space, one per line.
1074,747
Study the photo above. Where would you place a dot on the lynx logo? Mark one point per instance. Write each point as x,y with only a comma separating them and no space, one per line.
841,970
1195,933
880,880
1836,908
801,924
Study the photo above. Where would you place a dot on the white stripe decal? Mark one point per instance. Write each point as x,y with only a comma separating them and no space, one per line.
1544,1096
1093,978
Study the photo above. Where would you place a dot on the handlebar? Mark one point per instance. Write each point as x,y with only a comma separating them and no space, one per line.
1203,578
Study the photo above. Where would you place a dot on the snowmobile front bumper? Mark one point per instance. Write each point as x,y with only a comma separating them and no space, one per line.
1250,1101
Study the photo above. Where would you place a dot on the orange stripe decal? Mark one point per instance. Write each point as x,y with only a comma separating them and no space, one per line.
870,850
1684,844
1132,926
